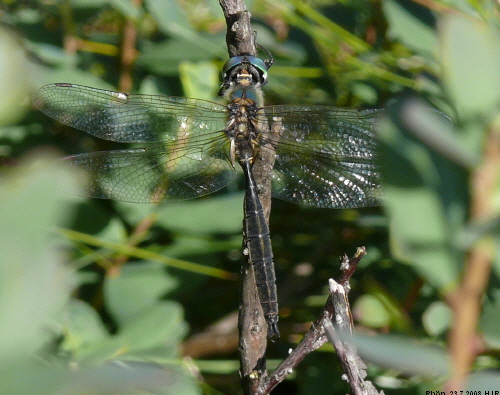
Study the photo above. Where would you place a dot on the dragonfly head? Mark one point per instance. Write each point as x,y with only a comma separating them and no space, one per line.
243,72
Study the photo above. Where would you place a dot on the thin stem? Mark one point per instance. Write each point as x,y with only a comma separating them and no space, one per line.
129,52
464,339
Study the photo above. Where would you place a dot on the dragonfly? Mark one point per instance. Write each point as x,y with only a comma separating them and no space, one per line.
319,156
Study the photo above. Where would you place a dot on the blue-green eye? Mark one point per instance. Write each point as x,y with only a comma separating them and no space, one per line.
259,63
233,62
237,60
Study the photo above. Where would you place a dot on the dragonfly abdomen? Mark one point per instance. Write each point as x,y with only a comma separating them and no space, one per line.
259,249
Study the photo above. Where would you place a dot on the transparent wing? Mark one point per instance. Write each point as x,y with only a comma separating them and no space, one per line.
154,174
129,118
324,156
189,157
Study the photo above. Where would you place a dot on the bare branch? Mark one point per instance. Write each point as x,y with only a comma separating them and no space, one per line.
334,325
339,333
240,37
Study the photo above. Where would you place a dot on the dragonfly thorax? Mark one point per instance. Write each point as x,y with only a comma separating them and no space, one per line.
241,129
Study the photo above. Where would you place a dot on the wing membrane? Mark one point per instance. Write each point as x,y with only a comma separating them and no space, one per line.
325,156
148,175
128,118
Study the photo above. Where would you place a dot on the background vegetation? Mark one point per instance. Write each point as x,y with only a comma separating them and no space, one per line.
99,297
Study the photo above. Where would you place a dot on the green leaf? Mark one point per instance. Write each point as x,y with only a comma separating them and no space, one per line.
14,78
483,382
437,318
425,195
165,57
123,378
189,247
126,8
135,288
369,311
93,218
168,14
404,355
33,285
221,214
412,24
172,20
159,326
89,3
82,327
66,73
200,80
470,56
489,323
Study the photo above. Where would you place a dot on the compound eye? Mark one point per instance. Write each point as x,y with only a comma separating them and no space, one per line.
258,63
232,63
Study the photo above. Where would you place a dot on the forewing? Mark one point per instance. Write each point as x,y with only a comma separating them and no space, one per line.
324,156
154,174
128,118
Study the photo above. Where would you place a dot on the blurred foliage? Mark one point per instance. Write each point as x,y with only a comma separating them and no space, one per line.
97,296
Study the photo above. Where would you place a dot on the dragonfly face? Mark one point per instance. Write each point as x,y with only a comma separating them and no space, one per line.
243,72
